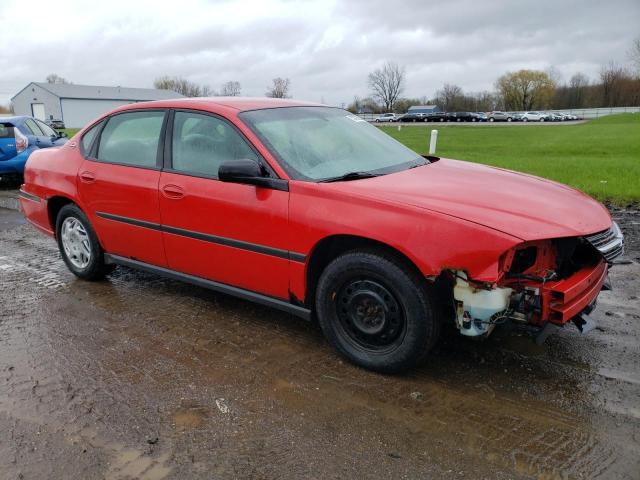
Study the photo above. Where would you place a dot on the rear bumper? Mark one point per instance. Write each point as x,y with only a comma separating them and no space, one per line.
36,212
564,299
16,164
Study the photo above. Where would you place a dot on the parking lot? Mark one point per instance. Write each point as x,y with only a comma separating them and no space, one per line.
140,377
481,124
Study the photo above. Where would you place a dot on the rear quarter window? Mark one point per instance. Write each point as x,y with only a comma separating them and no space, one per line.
6,130
87,139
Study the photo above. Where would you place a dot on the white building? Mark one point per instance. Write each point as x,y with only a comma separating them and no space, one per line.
77,105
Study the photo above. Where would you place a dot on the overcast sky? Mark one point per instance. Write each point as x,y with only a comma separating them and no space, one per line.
325,47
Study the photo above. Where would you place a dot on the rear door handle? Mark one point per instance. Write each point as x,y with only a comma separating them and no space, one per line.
172,191
87,177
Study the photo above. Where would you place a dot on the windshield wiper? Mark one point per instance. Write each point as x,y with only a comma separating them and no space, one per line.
351,176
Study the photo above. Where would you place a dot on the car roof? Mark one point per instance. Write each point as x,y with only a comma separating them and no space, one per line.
238,104
14,119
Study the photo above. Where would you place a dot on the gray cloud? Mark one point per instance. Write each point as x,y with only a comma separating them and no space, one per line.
325,48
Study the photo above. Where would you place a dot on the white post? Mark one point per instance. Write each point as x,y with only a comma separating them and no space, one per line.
434,140
399,127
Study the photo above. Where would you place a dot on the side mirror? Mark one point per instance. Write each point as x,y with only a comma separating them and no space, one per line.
243,171
249,172
62,135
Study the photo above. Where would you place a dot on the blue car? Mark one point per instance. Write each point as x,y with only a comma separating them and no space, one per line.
19,136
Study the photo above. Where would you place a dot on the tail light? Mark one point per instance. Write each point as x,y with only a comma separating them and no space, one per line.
22,142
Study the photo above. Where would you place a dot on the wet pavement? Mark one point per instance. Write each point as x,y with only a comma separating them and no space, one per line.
139,377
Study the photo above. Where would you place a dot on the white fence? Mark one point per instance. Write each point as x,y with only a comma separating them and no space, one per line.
579,112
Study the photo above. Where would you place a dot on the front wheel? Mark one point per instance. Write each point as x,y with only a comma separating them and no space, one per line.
376,311
79,244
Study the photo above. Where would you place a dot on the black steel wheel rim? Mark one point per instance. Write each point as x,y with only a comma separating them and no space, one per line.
369,315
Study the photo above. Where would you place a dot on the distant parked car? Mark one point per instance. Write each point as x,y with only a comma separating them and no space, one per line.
569,116
386,117
450,116
555,117
516,117
465,117
413,117
21,136
437,117
534,117
56,124
480,117
500,117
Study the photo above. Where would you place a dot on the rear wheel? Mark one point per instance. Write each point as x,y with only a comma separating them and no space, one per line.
79,244
376,312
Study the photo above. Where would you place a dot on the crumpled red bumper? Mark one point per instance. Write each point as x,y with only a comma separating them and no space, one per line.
564,299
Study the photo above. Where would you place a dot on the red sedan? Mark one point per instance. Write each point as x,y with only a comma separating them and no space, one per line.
313,211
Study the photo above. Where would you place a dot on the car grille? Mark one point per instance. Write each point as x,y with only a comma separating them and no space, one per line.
609,243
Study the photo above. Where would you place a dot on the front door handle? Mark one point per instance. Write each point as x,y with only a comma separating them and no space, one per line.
173,192
87,177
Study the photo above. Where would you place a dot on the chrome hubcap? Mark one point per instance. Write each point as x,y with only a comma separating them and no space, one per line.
76,243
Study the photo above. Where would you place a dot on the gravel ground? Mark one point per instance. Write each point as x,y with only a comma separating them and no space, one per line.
139,377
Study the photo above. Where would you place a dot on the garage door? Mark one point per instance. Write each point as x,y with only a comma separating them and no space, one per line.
38,111
76,112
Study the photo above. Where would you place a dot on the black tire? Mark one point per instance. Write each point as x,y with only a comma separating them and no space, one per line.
400,324
96,269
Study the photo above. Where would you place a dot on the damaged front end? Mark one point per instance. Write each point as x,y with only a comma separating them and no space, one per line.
542,284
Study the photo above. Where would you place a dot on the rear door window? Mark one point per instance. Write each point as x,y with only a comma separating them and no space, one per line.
32,126
132,139
46,129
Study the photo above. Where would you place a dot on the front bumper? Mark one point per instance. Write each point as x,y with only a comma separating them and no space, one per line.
564,299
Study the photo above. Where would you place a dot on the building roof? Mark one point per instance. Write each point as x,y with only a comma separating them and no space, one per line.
70,90
425,107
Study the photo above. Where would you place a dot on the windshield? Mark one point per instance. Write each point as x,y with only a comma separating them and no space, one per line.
319,143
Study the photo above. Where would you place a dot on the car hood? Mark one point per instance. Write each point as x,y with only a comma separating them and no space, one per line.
521,205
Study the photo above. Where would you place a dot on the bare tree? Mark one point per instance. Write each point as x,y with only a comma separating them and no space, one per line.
387,83
634,54
55,78
230,89
182,86
578,85
279,88
525,89
611,78
450,97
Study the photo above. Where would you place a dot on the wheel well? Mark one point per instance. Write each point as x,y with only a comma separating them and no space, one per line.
331,247
54,205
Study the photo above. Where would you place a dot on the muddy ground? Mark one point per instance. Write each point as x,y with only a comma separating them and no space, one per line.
139,377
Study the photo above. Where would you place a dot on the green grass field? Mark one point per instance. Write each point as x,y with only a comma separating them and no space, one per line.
600,157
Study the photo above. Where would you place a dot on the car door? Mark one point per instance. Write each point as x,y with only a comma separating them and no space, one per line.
51,134
118,183
232,233
35,134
